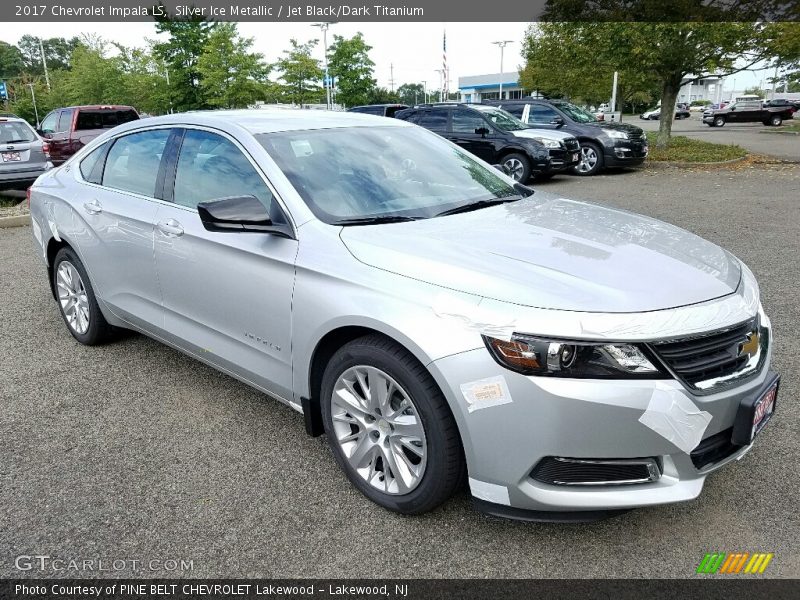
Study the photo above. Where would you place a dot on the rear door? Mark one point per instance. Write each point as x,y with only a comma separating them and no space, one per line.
227,296
465,125
117,206
543,116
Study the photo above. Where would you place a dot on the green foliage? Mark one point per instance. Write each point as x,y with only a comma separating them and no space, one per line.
349,62
301,73
756,91
380,95
411,93
11,62
57,52
230,75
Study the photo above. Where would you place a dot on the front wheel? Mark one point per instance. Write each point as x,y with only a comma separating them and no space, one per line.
389,426
591,160
517,166
719,122
76,300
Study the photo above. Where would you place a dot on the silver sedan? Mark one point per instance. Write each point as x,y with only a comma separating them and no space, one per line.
438,321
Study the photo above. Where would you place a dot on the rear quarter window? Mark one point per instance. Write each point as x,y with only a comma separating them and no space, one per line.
104,119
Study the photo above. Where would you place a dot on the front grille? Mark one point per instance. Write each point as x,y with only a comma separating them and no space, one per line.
713,355
714,449
636,136
555,470
572,144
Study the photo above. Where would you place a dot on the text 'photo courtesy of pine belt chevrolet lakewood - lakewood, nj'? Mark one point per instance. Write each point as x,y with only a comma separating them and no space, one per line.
439,321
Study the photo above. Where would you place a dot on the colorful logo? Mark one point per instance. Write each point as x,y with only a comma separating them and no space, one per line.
738,562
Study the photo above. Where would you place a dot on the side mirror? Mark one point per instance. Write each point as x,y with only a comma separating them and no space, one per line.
482,131
240,214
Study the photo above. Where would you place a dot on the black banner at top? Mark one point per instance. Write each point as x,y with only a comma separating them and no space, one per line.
399,10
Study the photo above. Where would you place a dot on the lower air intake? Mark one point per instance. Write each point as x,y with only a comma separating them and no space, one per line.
556,470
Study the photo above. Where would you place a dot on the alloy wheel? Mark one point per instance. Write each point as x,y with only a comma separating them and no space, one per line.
379,429
514,168
72,297
588,159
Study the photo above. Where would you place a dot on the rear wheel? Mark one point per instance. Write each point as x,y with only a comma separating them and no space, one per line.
517,166
591,160
775,120
389,426
76,300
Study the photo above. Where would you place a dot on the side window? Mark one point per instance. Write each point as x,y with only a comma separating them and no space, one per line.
50,122
466,121
514,109
89,172
433,119
133,162
211,167
64,121
542,114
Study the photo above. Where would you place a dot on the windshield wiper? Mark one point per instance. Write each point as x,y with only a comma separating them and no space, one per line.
477,205
375,220
17,141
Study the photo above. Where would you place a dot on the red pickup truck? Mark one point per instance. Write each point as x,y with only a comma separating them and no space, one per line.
69,129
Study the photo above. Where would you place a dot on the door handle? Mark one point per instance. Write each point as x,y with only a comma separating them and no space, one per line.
93,207
170,228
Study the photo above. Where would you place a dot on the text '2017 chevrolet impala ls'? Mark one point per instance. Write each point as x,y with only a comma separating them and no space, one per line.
431,316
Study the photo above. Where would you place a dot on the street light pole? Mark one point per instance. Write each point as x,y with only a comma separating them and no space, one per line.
502,44
425,90
44,64
324,28
35,111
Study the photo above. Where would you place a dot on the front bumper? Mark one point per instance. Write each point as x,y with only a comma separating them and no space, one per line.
563,160
626,153
588,419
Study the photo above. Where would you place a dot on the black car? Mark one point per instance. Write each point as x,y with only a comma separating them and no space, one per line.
603,143
382,110
498,138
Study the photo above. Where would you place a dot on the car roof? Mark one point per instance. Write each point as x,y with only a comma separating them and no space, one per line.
98,107
385,105
14,119
266,120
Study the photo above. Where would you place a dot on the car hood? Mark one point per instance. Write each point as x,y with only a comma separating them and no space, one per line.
548,134
550,252
626,127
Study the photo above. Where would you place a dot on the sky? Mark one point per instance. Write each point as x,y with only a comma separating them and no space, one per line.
414,49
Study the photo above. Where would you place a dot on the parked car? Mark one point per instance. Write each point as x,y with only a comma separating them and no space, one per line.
655,113
499,138
780,102
747,111
23,154
69,129
603,144
8,115
382,110
427,312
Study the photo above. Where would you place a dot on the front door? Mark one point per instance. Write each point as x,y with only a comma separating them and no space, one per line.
227,296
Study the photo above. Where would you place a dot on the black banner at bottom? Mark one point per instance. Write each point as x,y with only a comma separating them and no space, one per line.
710,588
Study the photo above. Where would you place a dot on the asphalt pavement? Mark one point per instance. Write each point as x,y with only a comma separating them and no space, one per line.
135,452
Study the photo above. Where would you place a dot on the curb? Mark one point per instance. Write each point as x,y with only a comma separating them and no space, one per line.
774,132
663,164
15,221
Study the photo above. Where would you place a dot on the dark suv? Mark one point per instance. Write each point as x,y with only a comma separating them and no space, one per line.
67,130
382,110
603,143
498,138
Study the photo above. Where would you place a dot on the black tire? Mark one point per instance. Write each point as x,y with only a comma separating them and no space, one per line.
98,331
518,172
719,121
775,120
543,176
588,169
445,468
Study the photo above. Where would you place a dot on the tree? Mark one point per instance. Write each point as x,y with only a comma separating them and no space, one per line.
757,91
301,73
723,37
231,75
411,93
57,52
380,95
11,63
349,62
180,54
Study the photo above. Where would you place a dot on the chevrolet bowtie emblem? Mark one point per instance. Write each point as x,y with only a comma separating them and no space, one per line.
750,347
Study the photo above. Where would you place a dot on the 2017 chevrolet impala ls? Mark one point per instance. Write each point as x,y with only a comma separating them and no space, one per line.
431,316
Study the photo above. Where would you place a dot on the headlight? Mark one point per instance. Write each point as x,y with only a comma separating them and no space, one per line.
586,360
617,135
548,143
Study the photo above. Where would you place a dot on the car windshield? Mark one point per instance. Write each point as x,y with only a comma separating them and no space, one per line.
503,119
354,174
575,113
15,132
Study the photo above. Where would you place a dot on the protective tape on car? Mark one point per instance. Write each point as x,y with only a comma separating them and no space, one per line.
474,316
675,417
54,230
498,494
484,393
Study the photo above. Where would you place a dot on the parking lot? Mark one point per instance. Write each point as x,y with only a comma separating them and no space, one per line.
754,137
134,451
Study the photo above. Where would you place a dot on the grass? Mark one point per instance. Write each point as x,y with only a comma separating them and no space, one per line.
794,127
684,149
